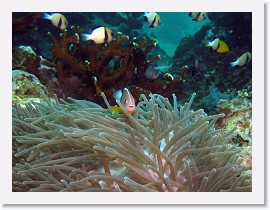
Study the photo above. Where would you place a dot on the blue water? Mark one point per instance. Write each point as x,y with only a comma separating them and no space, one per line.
174,27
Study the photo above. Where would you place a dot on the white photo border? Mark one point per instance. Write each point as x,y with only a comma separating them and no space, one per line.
257,196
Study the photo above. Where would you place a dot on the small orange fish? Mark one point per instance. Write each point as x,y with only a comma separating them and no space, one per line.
126,99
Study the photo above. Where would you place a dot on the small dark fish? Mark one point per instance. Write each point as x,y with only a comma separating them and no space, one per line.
194,68
196,65
150,73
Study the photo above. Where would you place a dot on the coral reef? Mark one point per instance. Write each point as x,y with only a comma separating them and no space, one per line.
97,68
214,67
24,58
128,23
210,101
26,87
238,113
76,144
238,25
88,68
80,146
92,69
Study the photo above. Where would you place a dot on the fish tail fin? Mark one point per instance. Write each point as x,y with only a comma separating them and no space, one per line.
145,16
145,13
46,15
85,37
233,64
207,43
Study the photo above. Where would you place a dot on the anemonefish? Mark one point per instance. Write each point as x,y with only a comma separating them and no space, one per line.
57,19
99,35
126,99
218,46
153,18
242,60
198,16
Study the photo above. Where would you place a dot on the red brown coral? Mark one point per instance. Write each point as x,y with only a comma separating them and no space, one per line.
105,67
84,70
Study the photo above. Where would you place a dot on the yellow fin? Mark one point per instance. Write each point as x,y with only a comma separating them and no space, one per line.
223,47
115,109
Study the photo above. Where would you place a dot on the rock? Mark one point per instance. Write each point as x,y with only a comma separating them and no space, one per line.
26,86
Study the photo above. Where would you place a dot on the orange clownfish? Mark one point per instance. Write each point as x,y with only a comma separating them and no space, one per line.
218,46
126,99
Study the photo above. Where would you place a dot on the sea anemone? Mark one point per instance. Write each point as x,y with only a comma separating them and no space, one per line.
80,146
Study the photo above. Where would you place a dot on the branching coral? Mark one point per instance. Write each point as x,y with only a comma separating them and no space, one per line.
93,68
80,146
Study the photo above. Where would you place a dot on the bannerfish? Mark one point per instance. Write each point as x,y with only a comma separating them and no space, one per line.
242,60
126,99
151,73
153,18
99,35
57,19
198,16
218,46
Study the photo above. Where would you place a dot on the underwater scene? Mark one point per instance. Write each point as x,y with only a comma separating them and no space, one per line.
132,102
